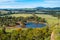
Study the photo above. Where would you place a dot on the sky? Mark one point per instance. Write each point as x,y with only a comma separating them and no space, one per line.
29,3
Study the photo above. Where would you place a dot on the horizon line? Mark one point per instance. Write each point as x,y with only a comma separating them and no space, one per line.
28,7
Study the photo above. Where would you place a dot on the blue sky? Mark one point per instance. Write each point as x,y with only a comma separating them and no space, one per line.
29,3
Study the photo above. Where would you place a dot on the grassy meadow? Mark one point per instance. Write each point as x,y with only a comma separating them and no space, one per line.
50,19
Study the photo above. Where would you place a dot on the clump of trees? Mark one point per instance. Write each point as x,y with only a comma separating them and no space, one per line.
26,34
9,21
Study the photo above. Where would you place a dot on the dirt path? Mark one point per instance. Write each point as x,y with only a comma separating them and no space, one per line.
52,36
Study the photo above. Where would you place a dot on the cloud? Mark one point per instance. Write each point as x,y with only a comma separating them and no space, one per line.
28,3
2,1
50,3
52,0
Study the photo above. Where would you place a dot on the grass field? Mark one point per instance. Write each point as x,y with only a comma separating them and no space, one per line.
50,19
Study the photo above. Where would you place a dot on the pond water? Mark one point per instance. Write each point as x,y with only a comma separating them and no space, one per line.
33,25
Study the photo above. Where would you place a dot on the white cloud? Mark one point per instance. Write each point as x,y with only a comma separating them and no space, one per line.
52,0
50,4
21,4
2,1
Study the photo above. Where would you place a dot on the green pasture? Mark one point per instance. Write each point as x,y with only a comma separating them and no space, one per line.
50,19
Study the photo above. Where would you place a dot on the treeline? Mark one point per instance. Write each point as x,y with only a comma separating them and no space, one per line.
28,11
26,34
54,13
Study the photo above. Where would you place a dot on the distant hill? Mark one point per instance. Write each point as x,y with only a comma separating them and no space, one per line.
34,9
42,8
39,8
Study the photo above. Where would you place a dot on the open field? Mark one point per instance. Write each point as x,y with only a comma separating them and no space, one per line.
18,15
50,19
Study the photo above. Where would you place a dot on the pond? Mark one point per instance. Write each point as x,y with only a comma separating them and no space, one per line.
33,25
